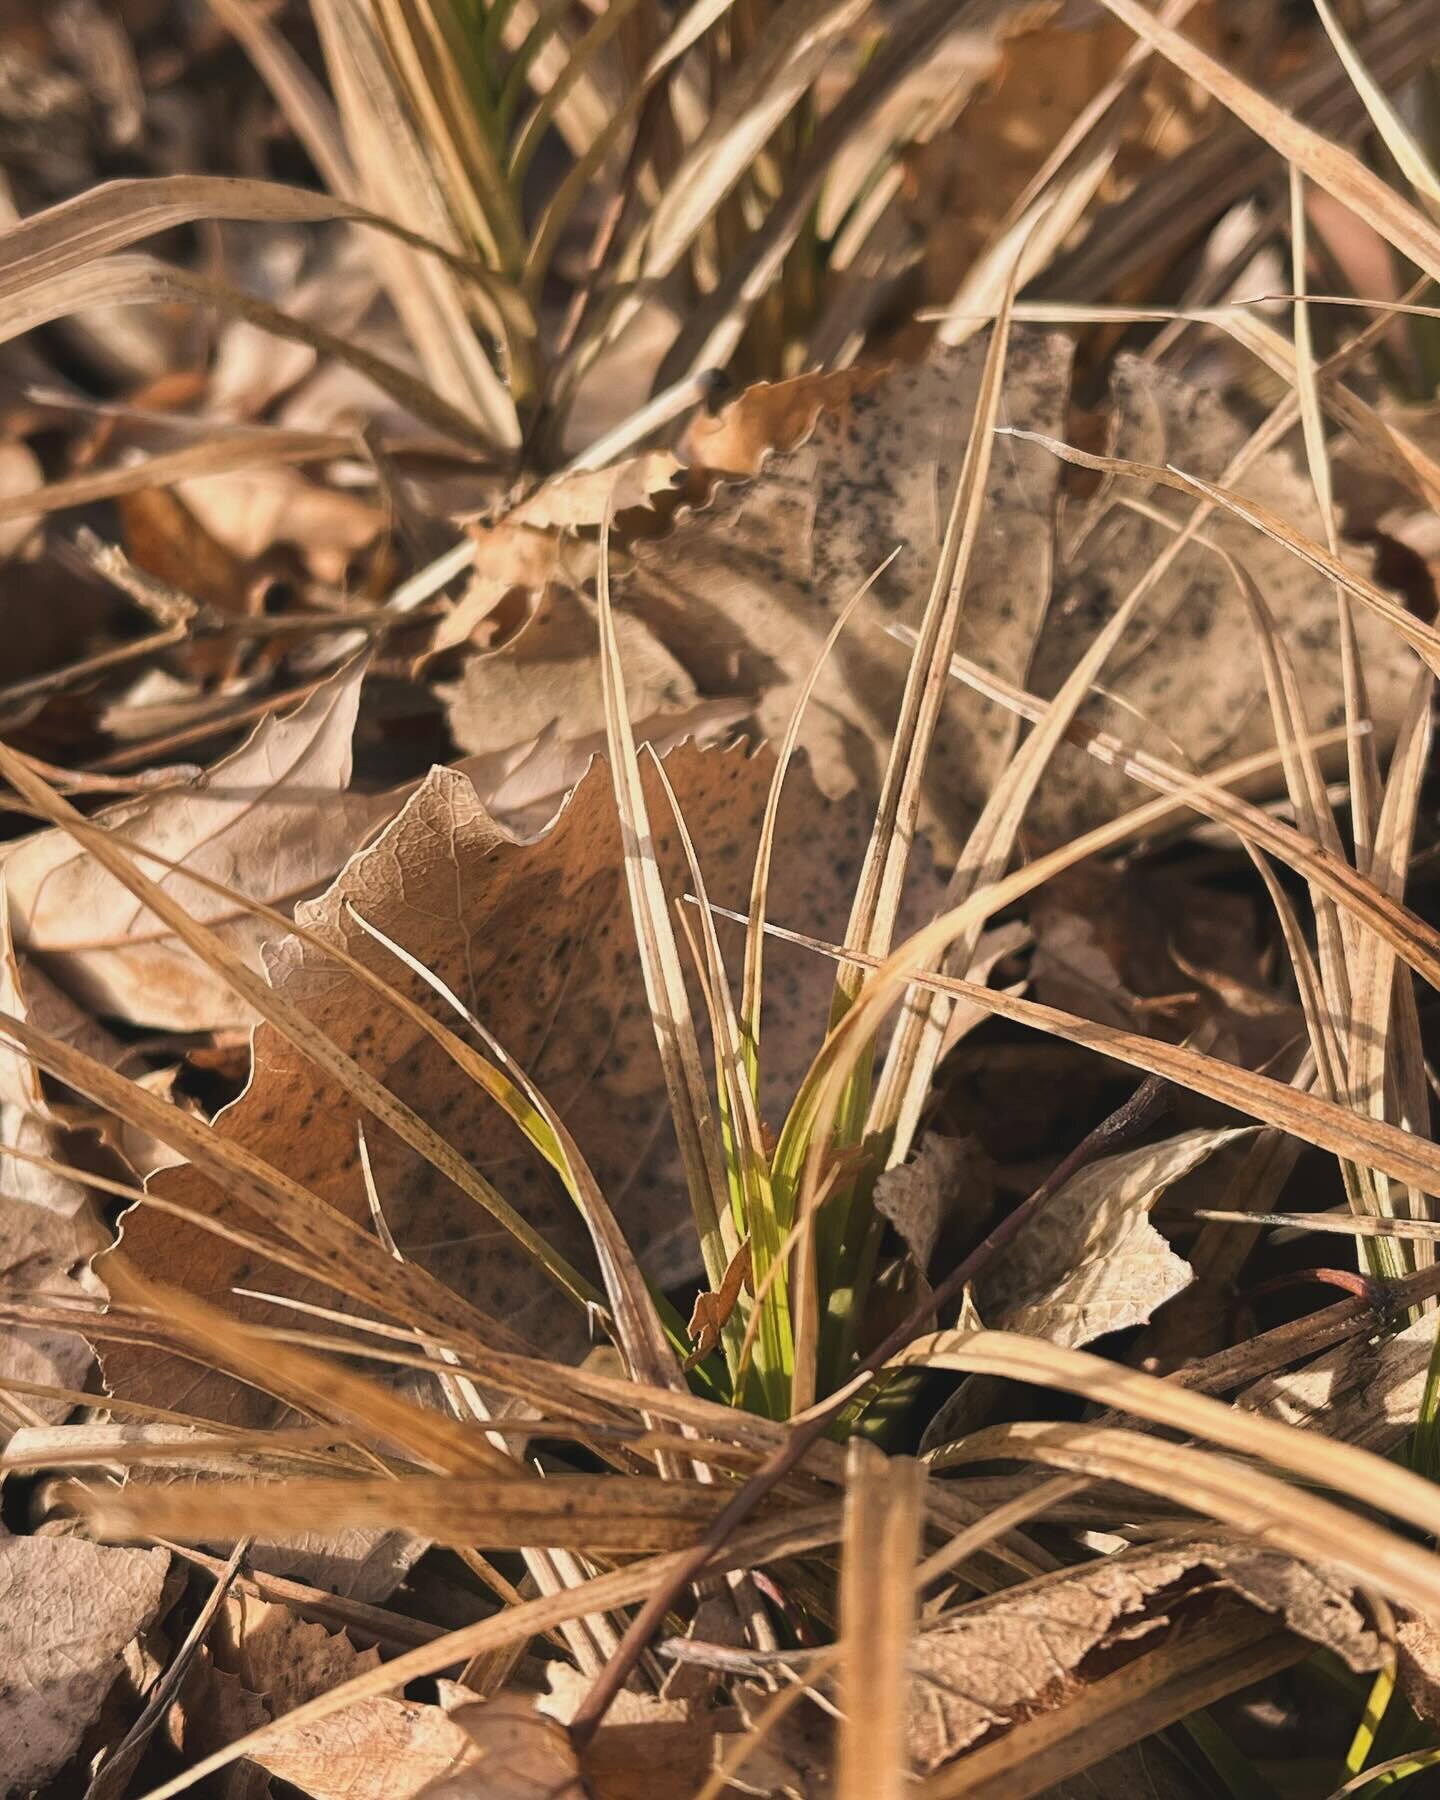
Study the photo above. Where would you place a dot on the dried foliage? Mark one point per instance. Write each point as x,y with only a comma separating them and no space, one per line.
653,646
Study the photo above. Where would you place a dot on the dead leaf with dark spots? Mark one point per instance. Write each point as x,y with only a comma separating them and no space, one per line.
744,592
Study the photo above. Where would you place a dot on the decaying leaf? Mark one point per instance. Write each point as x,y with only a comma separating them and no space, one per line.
274,817
378,1749
68,1610
537,938
1363,1392
1002,1658
548,678
948,1178
512,1752
744,591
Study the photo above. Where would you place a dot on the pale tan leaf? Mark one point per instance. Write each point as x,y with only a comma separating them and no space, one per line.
947,1179
744,593
515,1753
68,1610
1092,1262
275,816
379,1749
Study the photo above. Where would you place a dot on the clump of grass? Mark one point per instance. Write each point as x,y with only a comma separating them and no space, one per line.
444,112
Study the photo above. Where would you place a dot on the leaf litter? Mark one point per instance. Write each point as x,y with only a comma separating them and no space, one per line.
326,1017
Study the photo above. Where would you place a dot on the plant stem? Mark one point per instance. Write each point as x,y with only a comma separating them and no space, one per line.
1126,1122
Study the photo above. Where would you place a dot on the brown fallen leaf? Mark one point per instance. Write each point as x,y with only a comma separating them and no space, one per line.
68,1610
1088,1264
589,496
275,815
378,1749
1362,1392
514,1753
548,676
537,937
1024,1650
744,591
948,1178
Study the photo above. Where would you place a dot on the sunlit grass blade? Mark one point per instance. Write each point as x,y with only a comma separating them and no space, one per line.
680,1058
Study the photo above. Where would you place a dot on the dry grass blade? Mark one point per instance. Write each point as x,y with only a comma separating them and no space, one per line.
1368,1479
753,982
1340,173
396,174
1405,931
319,1384
1360,749
297,93
660,962
799,38
637,1324
1189,1671
804,1529
1418,1230
1404,1155
883,1510
1397,136
263,446
619,1515
132,279
120,213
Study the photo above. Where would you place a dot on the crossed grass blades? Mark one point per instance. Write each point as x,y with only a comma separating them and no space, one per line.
713,1448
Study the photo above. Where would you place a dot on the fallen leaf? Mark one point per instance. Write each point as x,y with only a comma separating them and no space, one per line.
1187,673
275,816
1025,1650
948,1177
1091,1262
68,1610
514,1753
548,677
590,496
45,1255
1363,1392
378,1749
538,938
284,1659
744,592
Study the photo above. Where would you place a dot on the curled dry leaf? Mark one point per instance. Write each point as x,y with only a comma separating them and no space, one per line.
536,937
744,591
1091,1262
68,1612
1026,1649
547,680
274,817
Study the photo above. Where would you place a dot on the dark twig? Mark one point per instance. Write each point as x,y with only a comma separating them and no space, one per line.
1125,1123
